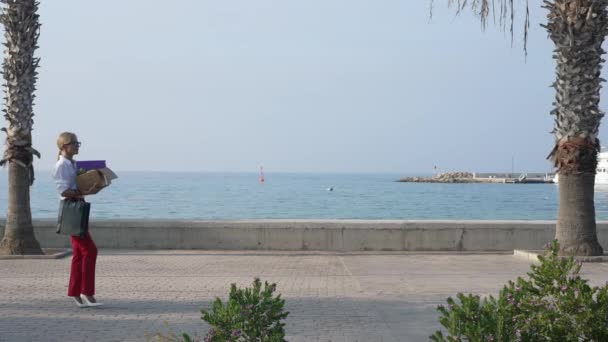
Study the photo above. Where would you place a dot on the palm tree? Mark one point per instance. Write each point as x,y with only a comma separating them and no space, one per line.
21,31
577,28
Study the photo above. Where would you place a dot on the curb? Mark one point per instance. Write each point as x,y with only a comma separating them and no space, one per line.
49,253
532,255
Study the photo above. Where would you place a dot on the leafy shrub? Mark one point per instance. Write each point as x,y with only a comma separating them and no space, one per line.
553,304
250,314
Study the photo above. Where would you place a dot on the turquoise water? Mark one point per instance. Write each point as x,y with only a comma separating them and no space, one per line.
303,196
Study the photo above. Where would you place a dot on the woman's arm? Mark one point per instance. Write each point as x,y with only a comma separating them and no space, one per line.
63,181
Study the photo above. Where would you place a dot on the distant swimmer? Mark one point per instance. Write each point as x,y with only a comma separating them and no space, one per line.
331,188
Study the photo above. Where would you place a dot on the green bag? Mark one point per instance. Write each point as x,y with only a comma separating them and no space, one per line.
73,218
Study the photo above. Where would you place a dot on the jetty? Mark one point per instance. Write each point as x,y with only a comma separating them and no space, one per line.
472,177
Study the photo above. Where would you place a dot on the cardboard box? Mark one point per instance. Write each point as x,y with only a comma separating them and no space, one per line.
92,181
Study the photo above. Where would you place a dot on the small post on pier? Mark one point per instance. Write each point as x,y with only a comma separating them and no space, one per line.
512,165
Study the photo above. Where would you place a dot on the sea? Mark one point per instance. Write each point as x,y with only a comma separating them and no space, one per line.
237,196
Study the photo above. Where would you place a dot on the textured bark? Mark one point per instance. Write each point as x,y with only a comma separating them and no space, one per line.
576,156
19,235
576,229
578,29
21,30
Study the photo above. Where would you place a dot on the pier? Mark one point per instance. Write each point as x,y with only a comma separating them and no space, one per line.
472,177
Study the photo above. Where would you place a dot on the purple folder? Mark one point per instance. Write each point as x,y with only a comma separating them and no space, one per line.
90,164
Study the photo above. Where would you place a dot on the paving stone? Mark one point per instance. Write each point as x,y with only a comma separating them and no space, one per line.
333,297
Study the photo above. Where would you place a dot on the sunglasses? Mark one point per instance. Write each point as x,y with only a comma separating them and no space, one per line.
74,143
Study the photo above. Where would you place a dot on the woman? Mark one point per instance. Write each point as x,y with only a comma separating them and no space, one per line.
84,256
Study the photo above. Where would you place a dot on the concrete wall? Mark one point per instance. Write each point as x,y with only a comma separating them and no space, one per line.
326,235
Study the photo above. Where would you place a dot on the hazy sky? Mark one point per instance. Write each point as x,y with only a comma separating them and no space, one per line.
300,86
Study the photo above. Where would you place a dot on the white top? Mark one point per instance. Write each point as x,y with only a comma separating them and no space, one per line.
65,175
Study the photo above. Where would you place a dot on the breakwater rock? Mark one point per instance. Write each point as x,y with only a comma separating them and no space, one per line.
448,177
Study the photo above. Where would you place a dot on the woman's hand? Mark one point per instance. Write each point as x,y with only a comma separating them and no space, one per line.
72,194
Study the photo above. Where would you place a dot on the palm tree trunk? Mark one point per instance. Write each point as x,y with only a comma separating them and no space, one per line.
19,235
576,229
578,29
21,30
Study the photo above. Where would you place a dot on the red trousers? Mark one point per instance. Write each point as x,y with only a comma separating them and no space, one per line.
82,274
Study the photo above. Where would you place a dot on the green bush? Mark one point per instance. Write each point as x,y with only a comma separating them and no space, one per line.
553,304
250,314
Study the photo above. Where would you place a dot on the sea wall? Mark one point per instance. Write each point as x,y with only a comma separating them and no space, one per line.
324,235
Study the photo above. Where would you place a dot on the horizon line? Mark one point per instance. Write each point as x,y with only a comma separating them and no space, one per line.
308,171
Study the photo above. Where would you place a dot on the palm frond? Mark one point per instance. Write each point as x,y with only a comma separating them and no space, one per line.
484,9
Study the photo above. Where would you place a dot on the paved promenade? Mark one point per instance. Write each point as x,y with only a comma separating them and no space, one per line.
330,296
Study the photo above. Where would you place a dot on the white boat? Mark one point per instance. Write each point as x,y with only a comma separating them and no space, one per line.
601,172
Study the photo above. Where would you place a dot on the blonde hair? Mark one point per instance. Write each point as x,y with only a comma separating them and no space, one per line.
64,139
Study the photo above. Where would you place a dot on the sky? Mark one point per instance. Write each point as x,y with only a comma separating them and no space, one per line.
344,86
